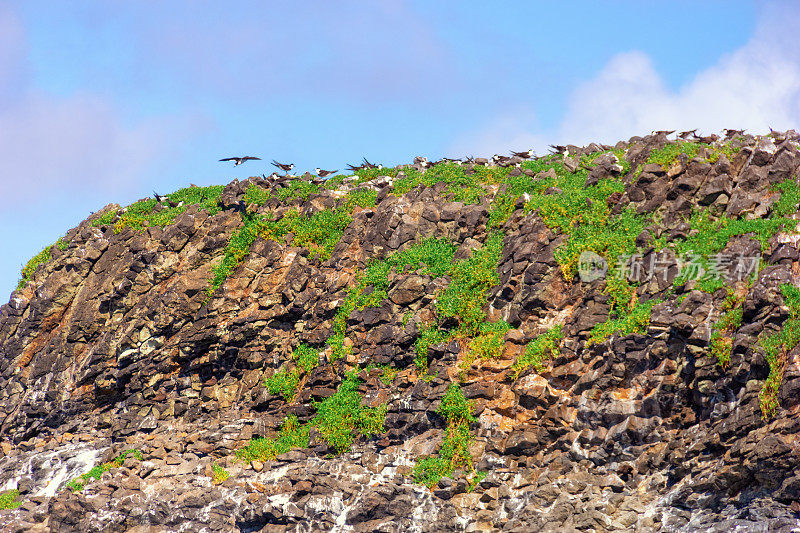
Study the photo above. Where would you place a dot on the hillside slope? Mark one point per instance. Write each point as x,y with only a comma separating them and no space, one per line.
599,340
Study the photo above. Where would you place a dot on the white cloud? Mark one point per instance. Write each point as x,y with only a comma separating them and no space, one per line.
755,87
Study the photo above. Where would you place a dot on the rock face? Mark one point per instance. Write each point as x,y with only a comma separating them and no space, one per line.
117,343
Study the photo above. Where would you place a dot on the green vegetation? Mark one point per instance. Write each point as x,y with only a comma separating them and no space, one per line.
286,381
539,350
776,346
256,195
79,483
470,280
428,336
9,499
292,435
220,474
432,256
144,213
318,232
341,417
236,250
634,322
454,453
721,340
709,235
671,151
488,344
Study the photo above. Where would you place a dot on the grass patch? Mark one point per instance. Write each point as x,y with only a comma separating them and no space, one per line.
341,417
80,482
236,250
634,322
220,474
10,499
319,232
454,453
470,280
539,350
143,214
256,195
776,347
721,341
286,381
292,435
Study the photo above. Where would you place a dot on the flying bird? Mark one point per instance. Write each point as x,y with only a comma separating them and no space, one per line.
239,160
524,155
286,167
324,173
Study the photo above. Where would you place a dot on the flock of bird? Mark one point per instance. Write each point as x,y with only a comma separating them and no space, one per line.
499,160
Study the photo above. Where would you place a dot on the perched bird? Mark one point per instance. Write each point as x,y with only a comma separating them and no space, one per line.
685,134
469,160
662,132
524,155
239,160
708,139
353,168
729,133
324,173
558,149
422,162
501,160
367,164
161,199
286,167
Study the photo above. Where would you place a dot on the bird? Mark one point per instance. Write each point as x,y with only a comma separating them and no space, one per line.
161,199
501,160
324,173
286,167
524,155
708,139
729,133
558,149
685,134
354,168
422,162
663,132
239,160
367,164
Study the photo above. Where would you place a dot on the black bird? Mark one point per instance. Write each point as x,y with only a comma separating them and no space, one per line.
558,149
367,164
524,155
501,160
353,168
324,173
161,199
707,139
286,167
730,134
685,134
664,132
239,160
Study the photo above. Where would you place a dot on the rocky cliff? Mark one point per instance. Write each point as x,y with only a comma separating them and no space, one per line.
601,339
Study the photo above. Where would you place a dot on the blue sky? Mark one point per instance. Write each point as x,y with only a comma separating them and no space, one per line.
104,102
